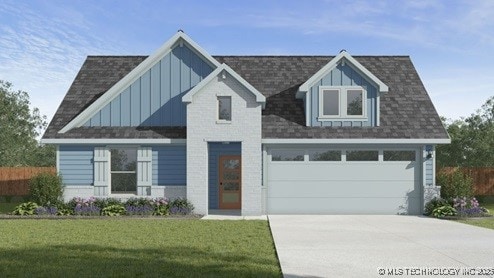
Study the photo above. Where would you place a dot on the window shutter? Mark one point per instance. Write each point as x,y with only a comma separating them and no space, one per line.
101,171
144,171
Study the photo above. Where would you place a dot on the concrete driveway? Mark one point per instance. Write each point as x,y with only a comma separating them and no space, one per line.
356,246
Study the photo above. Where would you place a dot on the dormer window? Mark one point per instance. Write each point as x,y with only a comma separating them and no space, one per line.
342,102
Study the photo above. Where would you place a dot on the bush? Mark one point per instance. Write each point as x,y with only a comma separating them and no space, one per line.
47,210
113,210
105,202
443,211
433,204
181,206
28,208
46,189
469,207
455,184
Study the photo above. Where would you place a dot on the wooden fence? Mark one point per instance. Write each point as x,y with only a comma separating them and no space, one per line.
14,181
483,178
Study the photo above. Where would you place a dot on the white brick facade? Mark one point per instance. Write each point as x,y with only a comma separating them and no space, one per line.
245,127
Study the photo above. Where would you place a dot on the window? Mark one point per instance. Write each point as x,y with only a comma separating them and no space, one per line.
287,155
342,102
362,155
399,155
324,155
225,108
123,170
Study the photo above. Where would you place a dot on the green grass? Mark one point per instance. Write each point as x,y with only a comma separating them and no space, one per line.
7,207
136,247
482,222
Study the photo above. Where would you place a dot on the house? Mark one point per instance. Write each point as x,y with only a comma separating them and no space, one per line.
261,134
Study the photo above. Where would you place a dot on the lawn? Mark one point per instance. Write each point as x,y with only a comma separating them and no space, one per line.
482,222
136,247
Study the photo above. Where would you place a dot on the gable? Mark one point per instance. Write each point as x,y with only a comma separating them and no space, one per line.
178,40
154,99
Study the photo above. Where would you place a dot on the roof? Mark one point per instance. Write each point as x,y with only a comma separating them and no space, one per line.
406,111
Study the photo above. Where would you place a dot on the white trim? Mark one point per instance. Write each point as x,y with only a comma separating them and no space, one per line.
224,67
343,105
356,141
308,109
99,141
434,165
132,76
57,155
378,110
304,88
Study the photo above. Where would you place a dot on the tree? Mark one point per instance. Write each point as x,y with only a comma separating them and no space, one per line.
472,140
19,128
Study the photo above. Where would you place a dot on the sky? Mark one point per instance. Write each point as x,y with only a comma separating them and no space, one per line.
43,43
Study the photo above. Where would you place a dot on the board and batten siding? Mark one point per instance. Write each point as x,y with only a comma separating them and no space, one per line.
169,165
215,150
76,165
344,76
429,168
155,99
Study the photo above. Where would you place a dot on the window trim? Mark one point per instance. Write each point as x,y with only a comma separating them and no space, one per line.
343,97
223,121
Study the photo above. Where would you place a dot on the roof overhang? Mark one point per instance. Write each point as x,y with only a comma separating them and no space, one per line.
222,69
358,141
106,141
179,38
343,57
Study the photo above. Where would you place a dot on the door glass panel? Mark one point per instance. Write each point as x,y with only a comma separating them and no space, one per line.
231,197
231,186
231,164
362,156
231,175
399,155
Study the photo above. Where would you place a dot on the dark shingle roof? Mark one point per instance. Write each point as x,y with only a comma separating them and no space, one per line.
406,111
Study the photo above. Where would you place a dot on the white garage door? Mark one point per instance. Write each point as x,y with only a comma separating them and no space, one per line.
324,181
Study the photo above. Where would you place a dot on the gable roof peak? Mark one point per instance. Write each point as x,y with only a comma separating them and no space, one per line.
343,57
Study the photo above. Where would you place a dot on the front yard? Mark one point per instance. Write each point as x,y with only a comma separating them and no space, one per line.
136,247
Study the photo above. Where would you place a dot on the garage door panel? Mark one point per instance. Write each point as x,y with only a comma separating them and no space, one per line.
341,171
343,206
294,189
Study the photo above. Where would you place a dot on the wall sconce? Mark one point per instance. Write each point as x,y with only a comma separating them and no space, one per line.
429,154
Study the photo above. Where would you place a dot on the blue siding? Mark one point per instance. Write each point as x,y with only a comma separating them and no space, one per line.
215,150
155,99
344,76
76,165
169,165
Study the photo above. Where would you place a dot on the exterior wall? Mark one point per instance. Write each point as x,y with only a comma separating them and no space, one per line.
202,128
169,165
215,150
155,99
431,189
343,76
76,165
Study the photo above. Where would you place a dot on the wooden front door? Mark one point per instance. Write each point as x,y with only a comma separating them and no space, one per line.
230,182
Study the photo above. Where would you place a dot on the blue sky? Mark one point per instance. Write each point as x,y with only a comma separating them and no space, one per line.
44,43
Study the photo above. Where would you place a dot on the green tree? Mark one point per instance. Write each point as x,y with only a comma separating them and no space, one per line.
19,128
472,140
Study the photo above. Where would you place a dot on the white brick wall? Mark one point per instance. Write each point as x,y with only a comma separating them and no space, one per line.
245,127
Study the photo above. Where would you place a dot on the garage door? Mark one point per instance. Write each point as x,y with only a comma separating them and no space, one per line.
325,181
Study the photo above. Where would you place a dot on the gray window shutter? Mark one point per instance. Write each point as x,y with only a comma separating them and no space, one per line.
144,171
101,171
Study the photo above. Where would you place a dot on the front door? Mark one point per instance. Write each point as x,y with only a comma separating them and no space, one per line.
230,181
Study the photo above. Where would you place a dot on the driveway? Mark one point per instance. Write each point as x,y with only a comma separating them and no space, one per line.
356,246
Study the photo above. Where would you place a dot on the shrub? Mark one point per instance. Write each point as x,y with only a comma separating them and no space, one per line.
46,189
468,207
433,204
28,208
181,206
113,210
455,184
105,202
139,210
443,211
87,207
139,202
47,210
